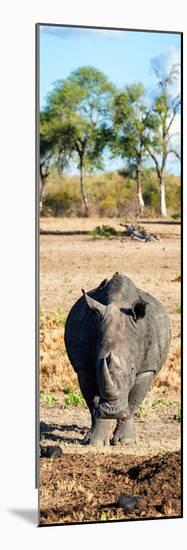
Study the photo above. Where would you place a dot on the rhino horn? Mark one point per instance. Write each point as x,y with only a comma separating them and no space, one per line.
94,304
108,387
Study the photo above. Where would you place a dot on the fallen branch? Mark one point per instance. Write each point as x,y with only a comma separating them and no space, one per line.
139,233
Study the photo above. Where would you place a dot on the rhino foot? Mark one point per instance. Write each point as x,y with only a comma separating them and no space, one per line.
125,432
86,439
123,440
98,441
100,433
92,438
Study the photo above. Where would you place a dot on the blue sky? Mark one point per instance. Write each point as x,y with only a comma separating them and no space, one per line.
124,56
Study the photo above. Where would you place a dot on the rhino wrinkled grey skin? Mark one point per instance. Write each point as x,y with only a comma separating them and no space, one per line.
117,338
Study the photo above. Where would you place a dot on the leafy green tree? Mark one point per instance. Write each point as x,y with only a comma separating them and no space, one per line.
132,125
56,145
79,107
45,153
165,107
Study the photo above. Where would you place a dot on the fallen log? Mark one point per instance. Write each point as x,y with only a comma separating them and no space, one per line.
140,234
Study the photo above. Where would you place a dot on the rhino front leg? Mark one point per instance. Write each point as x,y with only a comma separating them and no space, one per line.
125,430
101,430
100,433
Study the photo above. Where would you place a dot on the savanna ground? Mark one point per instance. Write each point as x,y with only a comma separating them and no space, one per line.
84,483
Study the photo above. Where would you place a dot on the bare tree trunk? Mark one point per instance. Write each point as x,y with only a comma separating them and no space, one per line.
163,209
43,183
139,190
84,197
43,176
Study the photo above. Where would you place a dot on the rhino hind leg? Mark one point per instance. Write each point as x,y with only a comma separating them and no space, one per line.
125,430
100,432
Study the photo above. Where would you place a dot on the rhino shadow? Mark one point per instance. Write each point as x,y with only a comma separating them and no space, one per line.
47,429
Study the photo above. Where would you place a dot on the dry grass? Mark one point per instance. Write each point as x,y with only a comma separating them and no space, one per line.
168,380
57,372
55,369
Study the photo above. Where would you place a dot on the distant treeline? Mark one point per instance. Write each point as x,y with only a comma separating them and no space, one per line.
85,116
109,194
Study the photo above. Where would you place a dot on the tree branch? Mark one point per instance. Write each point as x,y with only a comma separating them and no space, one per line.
174,152
78,148
153,156
175,107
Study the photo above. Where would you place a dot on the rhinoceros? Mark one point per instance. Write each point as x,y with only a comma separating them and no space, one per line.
117,338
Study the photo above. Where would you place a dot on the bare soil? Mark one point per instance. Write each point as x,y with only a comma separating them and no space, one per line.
85,482
69,263
157,429
87,488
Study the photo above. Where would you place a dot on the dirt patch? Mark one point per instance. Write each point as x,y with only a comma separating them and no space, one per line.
71,263
157,428
81,489
87,224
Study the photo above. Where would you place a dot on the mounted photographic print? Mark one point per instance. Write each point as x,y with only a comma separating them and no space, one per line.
108,383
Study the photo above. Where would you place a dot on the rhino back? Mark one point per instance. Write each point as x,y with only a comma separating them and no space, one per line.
157,335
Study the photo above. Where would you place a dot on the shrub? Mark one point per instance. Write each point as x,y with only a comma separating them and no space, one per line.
104,231
151,196
111,194
61,202
49,397
176,216
74,399
108,207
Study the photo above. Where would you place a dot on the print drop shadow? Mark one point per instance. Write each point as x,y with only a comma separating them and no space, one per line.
30,515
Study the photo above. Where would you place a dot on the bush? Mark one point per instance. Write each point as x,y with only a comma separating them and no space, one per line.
151,196
176,216
104,231
61,202
110,194
108,207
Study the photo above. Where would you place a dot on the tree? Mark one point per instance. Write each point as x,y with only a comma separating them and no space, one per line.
79,107
45,153
56,144
166,107
132,124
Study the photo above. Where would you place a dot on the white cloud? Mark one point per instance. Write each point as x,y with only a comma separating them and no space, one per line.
110,32
72,32
164,63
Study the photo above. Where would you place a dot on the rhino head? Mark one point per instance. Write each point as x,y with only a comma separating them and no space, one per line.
117,341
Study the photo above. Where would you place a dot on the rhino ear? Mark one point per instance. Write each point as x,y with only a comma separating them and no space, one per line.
94,305
139,309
